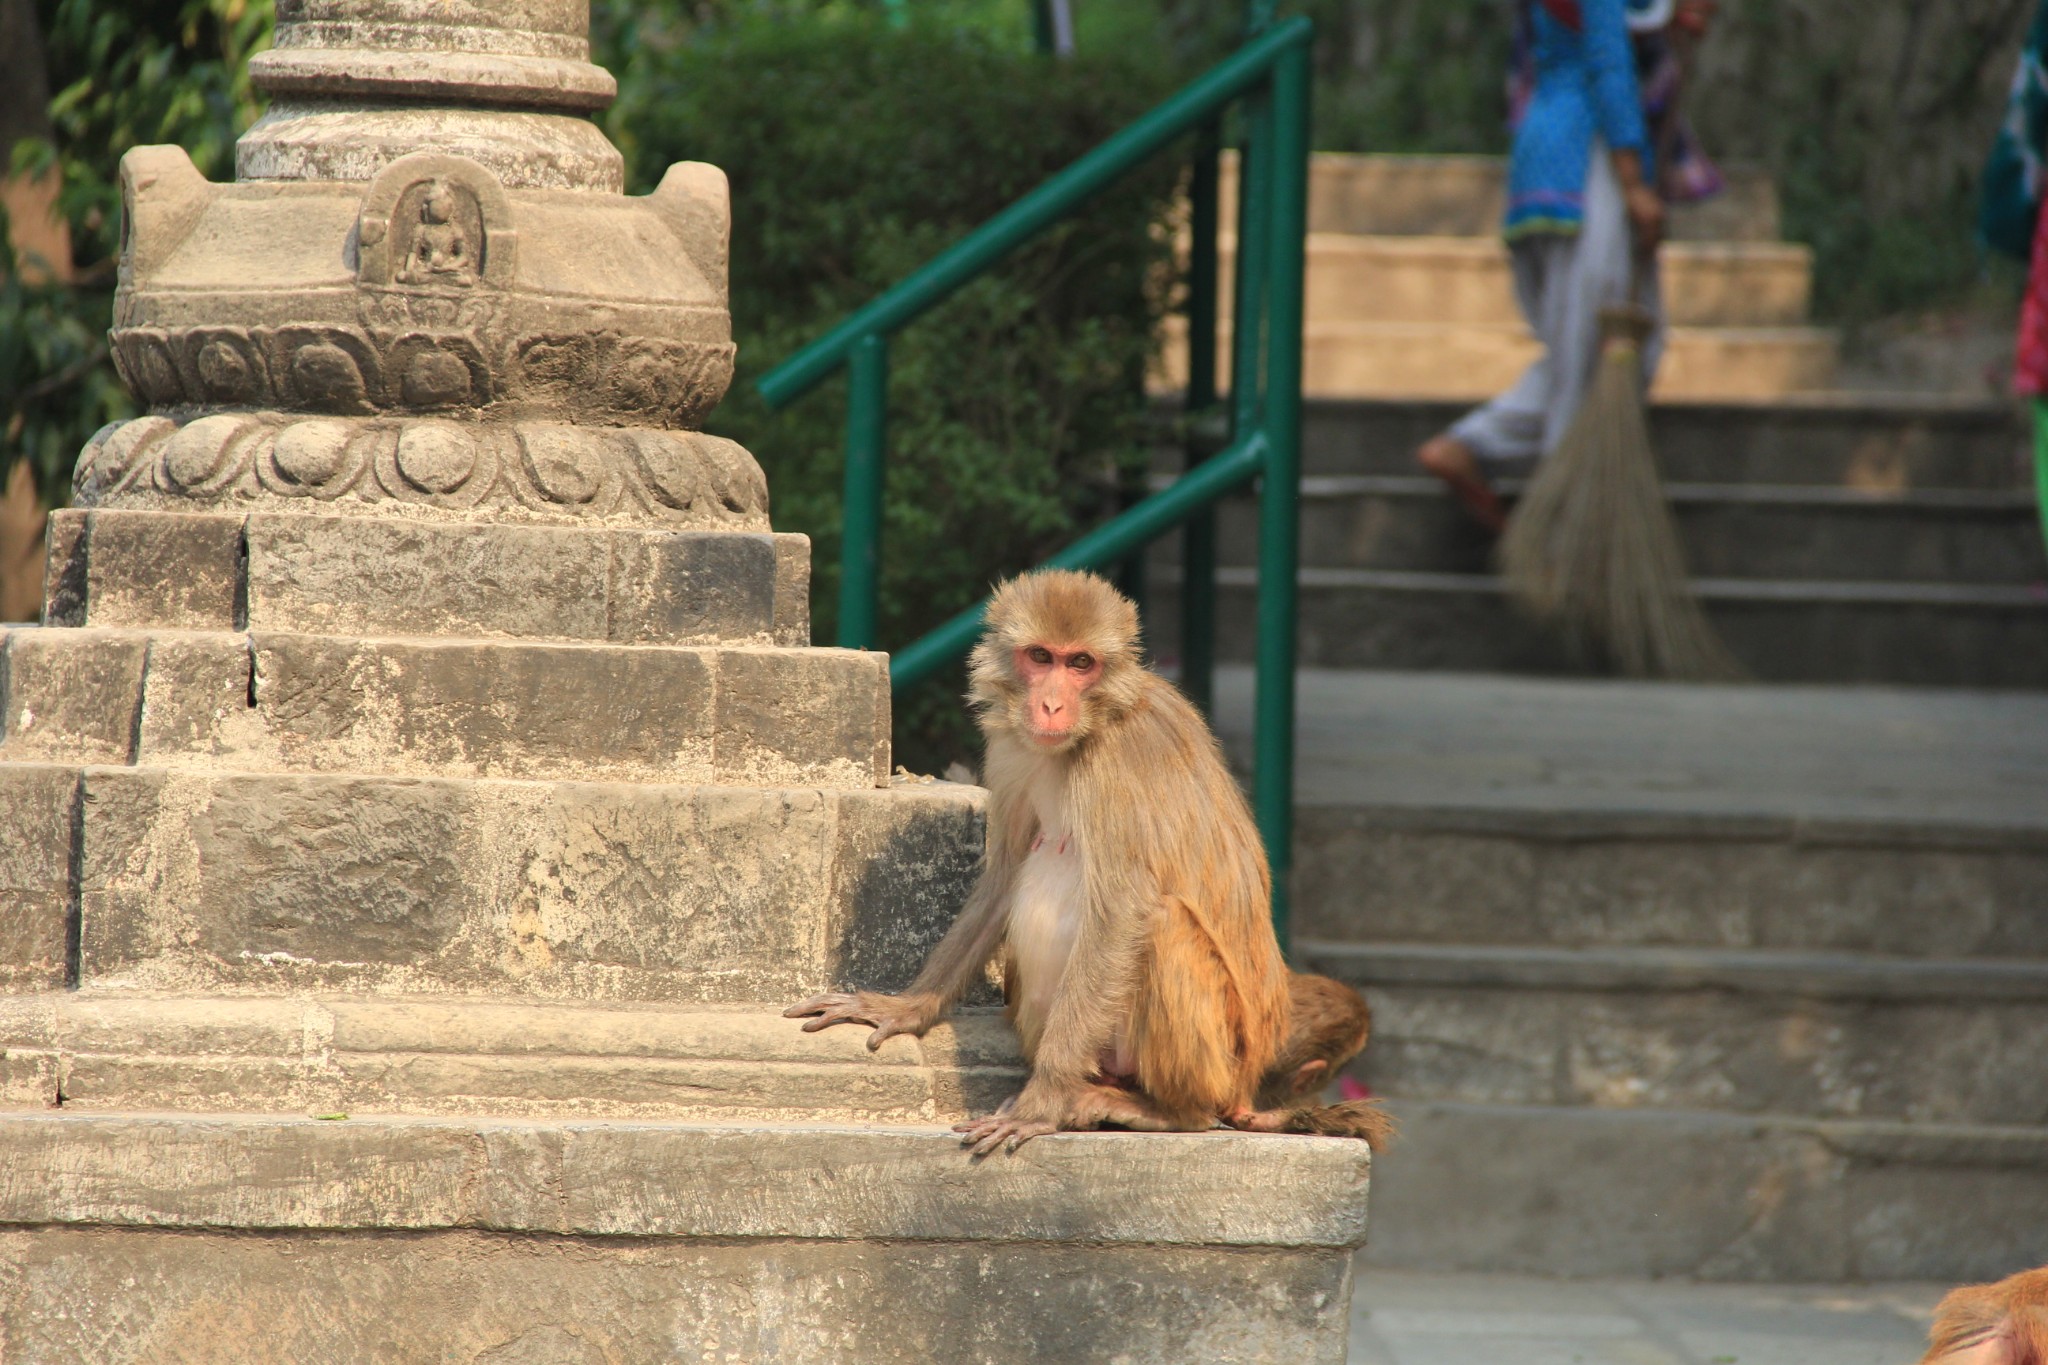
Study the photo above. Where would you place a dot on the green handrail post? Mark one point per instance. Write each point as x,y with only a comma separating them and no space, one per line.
867,434
1255,188
1042,38
1279,505
1198,535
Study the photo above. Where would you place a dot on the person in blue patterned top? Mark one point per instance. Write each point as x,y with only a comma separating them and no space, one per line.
1583,222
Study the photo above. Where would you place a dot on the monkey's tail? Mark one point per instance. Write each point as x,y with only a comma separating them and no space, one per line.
1362,1119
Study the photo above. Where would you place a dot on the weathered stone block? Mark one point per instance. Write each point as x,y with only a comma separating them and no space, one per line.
464,1297
822,711
683,587
485,709
904,860
593,891
198,699
468,1055
364,576
28,1078
792,591
117,567
180,570
628,1179
64,562
443,707
271,872
70,695
369,576
38,810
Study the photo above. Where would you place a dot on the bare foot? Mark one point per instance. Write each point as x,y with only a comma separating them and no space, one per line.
1453,461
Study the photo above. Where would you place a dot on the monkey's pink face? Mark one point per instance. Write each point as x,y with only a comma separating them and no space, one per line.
1055,679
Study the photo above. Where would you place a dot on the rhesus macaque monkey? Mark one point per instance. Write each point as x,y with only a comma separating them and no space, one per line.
1993,1324
1328,1024
1123,889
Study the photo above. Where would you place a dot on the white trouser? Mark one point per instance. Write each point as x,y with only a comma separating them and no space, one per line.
1562,282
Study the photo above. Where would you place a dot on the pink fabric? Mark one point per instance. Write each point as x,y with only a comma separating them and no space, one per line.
2030,362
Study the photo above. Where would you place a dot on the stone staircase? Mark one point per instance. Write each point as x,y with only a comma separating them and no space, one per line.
1739,982
1409,293
1833,539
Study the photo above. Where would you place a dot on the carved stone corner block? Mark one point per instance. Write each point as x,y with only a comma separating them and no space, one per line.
696,198
162,197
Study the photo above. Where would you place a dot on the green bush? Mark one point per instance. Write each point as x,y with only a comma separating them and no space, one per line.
121,75
857,151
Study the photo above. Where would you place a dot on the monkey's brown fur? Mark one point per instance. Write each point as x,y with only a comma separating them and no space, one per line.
1173,963
1329,1025
1993,1324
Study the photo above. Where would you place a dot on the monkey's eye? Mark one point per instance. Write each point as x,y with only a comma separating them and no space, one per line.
1081,663
1039,654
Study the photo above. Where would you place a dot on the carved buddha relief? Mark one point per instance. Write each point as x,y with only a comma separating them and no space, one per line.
439,235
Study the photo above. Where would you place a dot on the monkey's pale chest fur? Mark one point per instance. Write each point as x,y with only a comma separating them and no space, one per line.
1046,907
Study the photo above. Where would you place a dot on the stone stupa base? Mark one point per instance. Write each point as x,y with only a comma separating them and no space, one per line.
476,1177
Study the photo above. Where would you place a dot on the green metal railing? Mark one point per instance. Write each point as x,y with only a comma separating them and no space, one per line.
1255,436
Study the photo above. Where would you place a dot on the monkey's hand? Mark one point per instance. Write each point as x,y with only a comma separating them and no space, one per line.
1035,1111
888,1014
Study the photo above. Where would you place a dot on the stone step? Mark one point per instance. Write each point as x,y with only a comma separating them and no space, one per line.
1820,1035
439,707
1635,1192
1467,281
1362,360
364,575
1466,196
254,883
1827,533
1471,362
578,1241
1804,631
1875,443
427,1055
1580,879
1455,809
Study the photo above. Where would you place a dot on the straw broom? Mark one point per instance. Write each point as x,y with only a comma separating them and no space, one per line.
1592,548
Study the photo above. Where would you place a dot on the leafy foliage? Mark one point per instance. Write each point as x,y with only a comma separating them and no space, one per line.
122,75
857,151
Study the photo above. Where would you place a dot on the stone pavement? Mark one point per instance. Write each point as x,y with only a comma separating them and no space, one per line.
1424,1319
